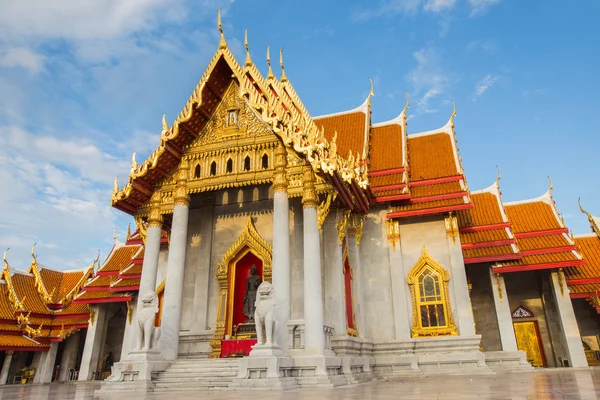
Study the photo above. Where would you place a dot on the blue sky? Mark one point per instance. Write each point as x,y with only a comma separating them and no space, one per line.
85,84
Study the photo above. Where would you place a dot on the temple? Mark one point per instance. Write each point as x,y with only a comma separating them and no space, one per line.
381,260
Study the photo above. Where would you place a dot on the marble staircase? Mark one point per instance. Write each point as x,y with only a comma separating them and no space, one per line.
197,374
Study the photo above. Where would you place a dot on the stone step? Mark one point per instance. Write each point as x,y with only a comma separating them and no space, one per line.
202,368
190,375
194,382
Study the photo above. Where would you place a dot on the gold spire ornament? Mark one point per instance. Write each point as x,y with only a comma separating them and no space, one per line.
4,257
371,93
222,42
270,74
165,126
248,58
134,164
33,252
551,185
116,185
407,102
283,75
453,112
499,175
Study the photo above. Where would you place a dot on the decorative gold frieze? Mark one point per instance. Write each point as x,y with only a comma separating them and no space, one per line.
355,226
155,218
280,182
393,232
180,197
499,279
323,209
561,281
342,223
451,226
92,311
309,194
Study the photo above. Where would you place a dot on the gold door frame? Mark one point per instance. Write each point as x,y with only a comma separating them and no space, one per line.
249,241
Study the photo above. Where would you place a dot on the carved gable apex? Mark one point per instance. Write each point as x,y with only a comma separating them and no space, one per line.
233,124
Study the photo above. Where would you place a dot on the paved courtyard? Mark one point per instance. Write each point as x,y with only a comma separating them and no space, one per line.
541,384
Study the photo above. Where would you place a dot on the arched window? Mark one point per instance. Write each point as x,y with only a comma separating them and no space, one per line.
213,168
247,163
265,161
229,165
197,171
432,315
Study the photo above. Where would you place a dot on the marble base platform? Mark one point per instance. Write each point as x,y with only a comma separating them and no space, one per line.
135,374
507,360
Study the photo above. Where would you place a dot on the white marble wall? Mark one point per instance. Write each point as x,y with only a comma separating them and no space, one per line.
333,277
297,260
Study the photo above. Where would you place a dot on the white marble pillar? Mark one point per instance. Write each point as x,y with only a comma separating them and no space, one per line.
94,341
463,314
503,313
5,367
401,298
129,334
281,275
333,266
69,356
313,291
173,300
45,369
357,294
568,323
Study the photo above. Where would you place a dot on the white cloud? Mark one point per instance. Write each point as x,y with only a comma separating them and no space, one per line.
481,6
483,85
21,57
387,7
428,79
489,46
439,5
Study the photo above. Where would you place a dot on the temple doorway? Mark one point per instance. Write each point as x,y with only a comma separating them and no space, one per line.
242,269
527,334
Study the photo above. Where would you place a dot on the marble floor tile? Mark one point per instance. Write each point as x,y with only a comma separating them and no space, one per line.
566,384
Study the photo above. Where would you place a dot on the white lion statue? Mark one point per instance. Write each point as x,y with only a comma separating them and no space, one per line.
264,315
147,334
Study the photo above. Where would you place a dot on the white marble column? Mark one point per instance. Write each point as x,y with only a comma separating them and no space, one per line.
503,313
463,314
568,323
5,367
313,293
333,266
129,334
357,294
151,251
281,275
69,356
94,341
45,368
401,298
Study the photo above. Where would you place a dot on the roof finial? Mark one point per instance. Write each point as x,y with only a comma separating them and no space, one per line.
551,185
248,58
116,185
97,257
222,42
453,112
165,126
134,164
33,252
371,93
4,257
115,236
283,75
128,231
270,75
581,208
499,175
407,102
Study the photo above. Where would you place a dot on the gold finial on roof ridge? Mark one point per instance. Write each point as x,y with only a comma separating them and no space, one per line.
116,185
283,75
499,175
4,257
222,42
407,105
33,253
371,93
128,232
115,236
248,58
453,112
551,185
270,74
134,164
165,126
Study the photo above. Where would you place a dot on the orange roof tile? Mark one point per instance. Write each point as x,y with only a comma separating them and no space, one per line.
99,294
126,283
60,283
543,242
543,259
488,251
491,235
431,156
119,258
10,327
101,281
385,180
6,309
24,285
485,211
350,127
436,189
531,217
429,204
19,341
590,250
386,148
587,288
132,269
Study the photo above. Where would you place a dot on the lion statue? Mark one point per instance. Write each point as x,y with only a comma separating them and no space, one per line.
264,315
147,333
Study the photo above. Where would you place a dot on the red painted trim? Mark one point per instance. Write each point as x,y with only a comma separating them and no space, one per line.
385,172
580,295
384,199
94,288
428,211
495,243
548,250
134,241
388,187
583,281
124,288
437,197
109,300
8,321
107,273
137,261
361,201
480,228
541,233
71,316
533,267
342,191
502,257
436,181
130,276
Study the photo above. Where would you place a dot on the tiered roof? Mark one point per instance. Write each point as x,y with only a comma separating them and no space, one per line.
31,316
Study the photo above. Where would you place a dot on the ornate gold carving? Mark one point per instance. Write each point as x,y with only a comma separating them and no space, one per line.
355,226
560,275
430,269
499,279
155,218
323,209
393,232
342,222
160,287
309,194
92,311
142,227
451,226
23,320
34,332
249,241
180,197
591,219
280,182
129,312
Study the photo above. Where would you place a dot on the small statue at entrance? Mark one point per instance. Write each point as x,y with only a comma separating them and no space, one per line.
252,284
146,333
264,315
